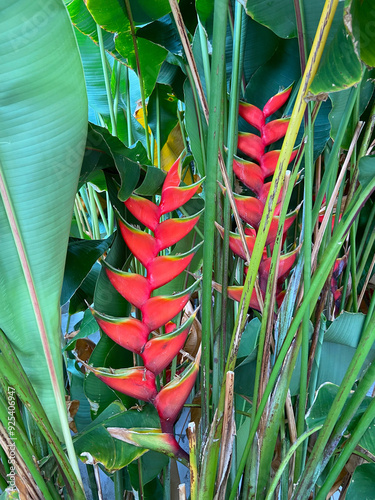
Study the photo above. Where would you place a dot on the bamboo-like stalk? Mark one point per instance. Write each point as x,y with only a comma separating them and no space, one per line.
182,492
227,424
106,80
140,75
367,279
307,244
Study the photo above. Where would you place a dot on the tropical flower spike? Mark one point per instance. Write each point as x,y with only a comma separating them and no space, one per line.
133,334
253,175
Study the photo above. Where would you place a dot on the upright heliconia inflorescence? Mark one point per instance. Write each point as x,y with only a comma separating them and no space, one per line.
253,174
139,335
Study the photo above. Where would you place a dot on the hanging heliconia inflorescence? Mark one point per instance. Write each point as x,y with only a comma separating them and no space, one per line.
253,174
157,351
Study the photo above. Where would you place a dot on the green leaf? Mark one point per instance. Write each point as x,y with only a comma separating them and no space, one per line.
43,129
81,256
362,484
112,16
193,130
94,77
205,9
152,181
363,18
366,170
83,416
86,327
346,329
85,292
249,339
96,442
144,11
278,15
340,67
339,102
163,32
152,465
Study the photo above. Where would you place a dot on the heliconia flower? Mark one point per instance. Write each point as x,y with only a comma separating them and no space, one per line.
136,382
158,352
172,397
253,174
129,333
156,311
151,439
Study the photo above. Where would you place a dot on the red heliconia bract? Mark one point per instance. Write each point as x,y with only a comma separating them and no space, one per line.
253,174
156,310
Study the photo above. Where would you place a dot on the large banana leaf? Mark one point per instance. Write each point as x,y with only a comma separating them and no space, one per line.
43,125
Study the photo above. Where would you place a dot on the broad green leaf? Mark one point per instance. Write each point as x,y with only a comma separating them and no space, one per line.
152,181
366,170
86,327
249,340
367,441
362,484
205,9
279,16
163,32
144,11
322,404
112,16
94,77
81,256
363,19
152,465
340,67
83,416
346,329
96,442
43,127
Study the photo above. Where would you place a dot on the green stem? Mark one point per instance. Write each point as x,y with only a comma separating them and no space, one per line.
216,106
106,80
307,242
101,211
119,481
139,72
128,107
205,58
232,146
158,125
94,215
78,221
118,67
365,235
287,458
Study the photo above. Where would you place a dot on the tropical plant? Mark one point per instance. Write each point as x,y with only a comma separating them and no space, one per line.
260,113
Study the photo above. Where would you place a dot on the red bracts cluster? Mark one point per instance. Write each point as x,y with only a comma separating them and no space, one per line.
254,174
156,351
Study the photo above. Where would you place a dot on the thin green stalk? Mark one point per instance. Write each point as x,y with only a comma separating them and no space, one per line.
4,459
92,482
287,458
182,127
140,77
167,481
307,244
110,214
25,450
106,80
365,234
140,479
232,145
128,107
217,82
101,211
348,449
94,215
14,373
313,468
205,58
119,481
158,125
78,221
3,483
370,311
199,119
118,67
353,267
366,254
